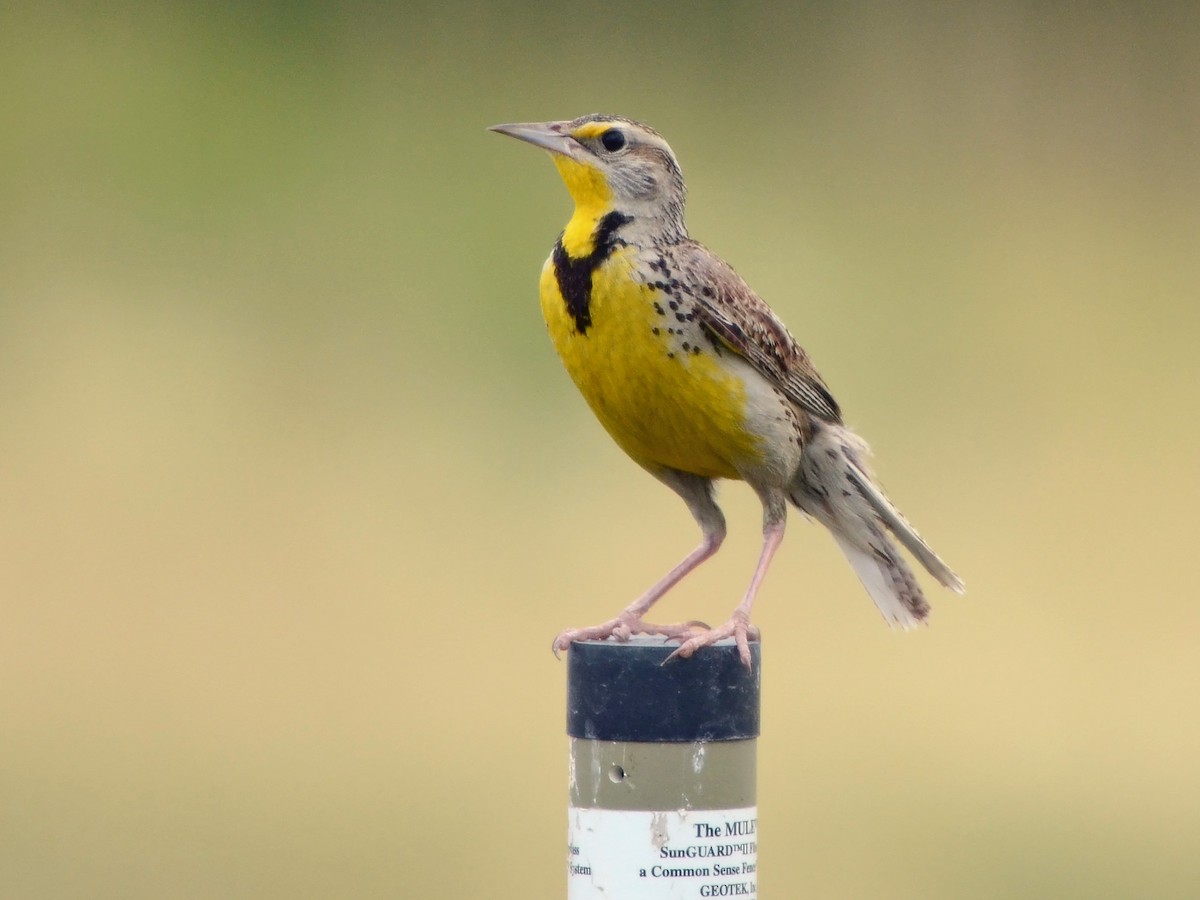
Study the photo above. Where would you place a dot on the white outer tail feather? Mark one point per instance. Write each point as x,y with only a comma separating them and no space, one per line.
878,585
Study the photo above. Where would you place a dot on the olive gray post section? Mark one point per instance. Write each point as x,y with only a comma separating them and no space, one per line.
663,801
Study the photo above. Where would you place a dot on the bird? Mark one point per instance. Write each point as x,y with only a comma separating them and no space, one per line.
697,380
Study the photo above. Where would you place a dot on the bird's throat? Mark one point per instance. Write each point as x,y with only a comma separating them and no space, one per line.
593,200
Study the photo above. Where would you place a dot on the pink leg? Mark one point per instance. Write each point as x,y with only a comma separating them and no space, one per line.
629,622
738,626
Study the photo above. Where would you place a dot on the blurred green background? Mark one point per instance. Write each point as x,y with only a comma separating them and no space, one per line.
294,494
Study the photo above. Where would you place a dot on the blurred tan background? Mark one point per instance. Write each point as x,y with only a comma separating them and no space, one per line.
294,495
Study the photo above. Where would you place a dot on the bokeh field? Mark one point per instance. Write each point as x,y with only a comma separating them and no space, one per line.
294,494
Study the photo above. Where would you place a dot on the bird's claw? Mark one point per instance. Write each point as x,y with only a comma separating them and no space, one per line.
622,628
738,627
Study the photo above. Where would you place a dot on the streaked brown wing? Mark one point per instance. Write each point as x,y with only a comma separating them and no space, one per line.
743,322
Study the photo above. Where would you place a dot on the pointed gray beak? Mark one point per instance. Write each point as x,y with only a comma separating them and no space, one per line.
552,136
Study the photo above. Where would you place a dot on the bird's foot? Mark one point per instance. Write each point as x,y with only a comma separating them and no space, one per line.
738,627
622,628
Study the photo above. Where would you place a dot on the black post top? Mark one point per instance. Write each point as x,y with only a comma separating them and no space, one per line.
624,692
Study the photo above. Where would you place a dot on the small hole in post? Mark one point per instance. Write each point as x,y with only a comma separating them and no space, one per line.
616,774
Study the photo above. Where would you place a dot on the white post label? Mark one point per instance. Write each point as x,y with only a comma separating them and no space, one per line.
635,855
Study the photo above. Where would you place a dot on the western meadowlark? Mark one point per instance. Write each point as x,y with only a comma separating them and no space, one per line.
694,376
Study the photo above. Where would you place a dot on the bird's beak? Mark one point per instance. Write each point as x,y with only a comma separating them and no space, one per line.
552,136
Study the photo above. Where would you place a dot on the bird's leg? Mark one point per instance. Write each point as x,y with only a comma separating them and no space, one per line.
630,622
697,493
738,625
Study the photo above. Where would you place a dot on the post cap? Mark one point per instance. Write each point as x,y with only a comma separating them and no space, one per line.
622,691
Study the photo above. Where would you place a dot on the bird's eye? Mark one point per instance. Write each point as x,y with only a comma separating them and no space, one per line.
613,140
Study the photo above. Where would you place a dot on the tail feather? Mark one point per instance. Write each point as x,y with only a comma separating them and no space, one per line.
904,532
887,579
834,486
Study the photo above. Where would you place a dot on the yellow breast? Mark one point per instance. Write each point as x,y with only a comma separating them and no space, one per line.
663,407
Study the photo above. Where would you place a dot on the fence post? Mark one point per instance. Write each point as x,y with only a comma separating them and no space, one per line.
663,800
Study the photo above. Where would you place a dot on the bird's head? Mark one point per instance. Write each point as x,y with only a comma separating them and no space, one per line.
612,163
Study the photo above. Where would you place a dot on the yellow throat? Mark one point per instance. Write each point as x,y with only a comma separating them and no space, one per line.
593,199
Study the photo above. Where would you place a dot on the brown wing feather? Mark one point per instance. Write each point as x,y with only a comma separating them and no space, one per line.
743,322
